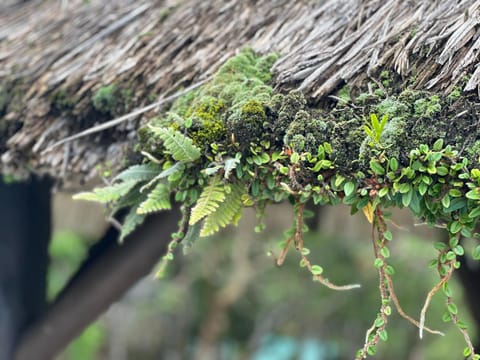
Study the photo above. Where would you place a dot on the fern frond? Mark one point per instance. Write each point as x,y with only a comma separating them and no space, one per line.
210,198
178,145
164,174
158,199
130,223
230,165
143,172
131,199
227,213
193,233
107,194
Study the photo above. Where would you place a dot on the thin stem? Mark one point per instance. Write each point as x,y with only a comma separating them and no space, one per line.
402,313
430,295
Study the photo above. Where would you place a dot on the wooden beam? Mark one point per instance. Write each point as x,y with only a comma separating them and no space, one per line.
100,284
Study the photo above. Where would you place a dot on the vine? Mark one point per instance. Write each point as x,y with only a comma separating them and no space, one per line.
235,143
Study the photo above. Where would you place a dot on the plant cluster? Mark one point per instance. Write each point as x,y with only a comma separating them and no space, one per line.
235,143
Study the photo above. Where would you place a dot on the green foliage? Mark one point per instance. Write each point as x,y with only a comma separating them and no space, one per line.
176,144
228,212
374,129
157,199
105,99
107,194
233,143
208,203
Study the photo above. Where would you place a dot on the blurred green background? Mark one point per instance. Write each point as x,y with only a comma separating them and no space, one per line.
226,299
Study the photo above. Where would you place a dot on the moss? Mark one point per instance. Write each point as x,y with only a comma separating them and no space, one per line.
427,107
455,94
105,99
246,124
62,101
306,133
112,100
473,154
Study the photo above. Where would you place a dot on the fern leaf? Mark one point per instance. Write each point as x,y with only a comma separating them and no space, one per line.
158,199
130,223
178,145
164,174
210,198
193,233
143,172
230,165
227,213
107,194
131,199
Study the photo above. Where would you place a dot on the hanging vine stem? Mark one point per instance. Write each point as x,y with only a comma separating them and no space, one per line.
451,307
382,228
380,323
297,239
432,292
176,239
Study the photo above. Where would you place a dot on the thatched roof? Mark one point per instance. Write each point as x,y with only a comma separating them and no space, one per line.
53,60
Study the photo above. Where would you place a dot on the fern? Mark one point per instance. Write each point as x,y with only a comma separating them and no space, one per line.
164,174
130,223
143,172
227,213
193,233
158,199
210,198
107,194
178,145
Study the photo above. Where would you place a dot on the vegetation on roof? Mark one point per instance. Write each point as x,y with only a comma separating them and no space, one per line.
235,142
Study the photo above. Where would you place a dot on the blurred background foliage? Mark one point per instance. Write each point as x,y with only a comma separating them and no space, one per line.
225,298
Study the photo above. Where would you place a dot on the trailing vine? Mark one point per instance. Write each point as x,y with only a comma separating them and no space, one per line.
235,143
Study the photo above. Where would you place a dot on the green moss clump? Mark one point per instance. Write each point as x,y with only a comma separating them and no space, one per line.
306,133
246,123
105,99
232,106
62,101
427,107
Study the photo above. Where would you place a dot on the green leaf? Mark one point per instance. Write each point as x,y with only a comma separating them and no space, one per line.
446,201
388,235
376,167
378,263
476,253
438,145
475,213
158,199
294,158
454,227
210,198
193,233
473,194
407,198
230,165
348,188
393,163
383,335
143,172
228,211
131,222
178,145
452,308
385,252
317,270
107,194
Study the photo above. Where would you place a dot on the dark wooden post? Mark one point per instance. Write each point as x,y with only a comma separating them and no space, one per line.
24,236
